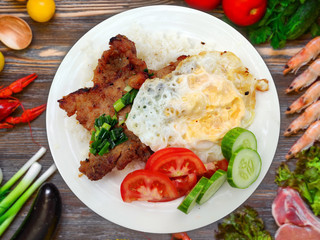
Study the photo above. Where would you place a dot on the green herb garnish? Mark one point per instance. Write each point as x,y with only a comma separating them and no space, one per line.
106,136
125,100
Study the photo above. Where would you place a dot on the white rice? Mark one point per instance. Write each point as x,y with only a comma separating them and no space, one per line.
158,49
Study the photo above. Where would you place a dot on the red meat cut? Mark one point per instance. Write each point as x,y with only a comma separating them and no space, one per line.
290,231
295,219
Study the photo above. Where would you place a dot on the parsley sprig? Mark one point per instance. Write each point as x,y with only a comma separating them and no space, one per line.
273,26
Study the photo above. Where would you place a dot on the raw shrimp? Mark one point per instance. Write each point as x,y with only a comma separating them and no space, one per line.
306,141
311,114
309,97
305,78
310,51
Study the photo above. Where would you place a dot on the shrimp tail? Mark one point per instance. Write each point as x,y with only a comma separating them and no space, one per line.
309,97
306,54
306,141
311,114
306,78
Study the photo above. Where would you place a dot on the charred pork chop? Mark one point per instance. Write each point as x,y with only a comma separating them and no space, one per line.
117,67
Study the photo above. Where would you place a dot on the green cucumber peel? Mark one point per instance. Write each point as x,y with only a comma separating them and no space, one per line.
235,139
244,168
212,186
190,200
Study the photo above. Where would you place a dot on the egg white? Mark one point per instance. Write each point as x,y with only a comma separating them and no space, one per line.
193,107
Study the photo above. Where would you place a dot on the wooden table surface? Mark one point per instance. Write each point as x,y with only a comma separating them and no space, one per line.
51,42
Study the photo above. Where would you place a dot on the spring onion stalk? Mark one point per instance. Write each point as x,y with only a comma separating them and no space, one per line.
127,88
8,216
125,100
20,188
22,170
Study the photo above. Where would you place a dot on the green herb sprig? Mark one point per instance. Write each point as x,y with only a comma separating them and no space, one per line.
279,23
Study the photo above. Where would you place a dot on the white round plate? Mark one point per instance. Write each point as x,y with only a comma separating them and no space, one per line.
103,196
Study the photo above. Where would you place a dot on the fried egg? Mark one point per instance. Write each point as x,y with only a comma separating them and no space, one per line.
194,106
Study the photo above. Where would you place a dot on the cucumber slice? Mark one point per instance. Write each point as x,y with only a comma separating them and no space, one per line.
190,200
235,139
212,186
244,168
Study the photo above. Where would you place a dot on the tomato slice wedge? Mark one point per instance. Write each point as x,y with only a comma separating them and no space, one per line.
213,166
184,184
176,163
145,185
162,152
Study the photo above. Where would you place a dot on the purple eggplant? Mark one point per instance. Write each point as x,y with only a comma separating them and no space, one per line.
43,217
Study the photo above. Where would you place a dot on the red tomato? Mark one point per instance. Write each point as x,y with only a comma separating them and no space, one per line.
175,162
144,185
212,167
185,183
162,152
205,5
244,12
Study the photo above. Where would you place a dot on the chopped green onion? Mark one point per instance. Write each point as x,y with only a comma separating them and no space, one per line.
127,88
118,105
105,149
106,126
20,188
134,93
106,136
125,100
22,170
121,122
93,136
8,216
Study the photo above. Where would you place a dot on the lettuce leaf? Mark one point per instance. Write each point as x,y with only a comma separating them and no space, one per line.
305,178
243,224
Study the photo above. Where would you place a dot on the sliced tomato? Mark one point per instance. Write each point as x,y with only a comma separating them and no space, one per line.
213,166
145,185
162,152
177,164
185,183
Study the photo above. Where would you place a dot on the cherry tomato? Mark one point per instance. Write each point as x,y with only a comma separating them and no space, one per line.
213,166
185,183
145,185
244,12
176,162
205,5
41,10
1,61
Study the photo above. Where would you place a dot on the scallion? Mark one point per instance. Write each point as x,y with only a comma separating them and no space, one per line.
104,149
20,188
127,88
118,105
125,100
9,215
22,170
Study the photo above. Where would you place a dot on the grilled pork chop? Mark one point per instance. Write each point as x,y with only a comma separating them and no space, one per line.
111,75
116,68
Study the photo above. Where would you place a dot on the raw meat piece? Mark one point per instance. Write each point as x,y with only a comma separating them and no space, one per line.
295,219
292,232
